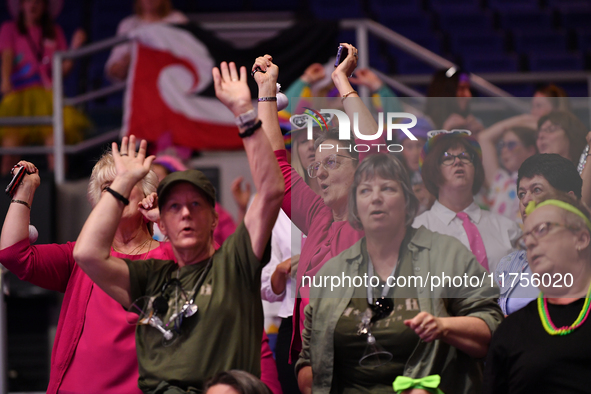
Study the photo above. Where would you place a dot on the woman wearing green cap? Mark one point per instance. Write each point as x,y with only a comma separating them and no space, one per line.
203,315
546,346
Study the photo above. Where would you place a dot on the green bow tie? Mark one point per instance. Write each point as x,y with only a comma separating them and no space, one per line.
429,383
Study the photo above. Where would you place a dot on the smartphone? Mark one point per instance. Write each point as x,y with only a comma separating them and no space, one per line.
18,174
342,53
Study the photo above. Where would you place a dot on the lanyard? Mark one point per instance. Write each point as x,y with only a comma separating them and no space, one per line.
199,281
370,273
37,50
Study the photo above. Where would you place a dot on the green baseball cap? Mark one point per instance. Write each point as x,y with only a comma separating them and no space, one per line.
194,177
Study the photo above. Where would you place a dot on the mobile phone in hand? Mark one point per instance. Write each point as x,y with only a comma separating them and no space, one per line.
342,53
18,175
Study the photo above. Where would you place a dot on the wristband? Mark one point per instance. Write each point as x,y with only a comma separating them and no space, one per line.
118,196
26,204
261,99
250,131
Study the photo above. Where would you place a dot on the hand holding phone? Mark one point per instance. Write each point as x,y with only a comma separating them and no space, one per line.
18,173
342,53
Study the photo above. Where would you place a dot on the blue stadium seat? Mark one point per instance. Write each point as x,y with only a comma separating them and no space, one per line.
519,90
447,7
337,9
574,19
556,62
408,25
274,5
406,64
400,7
525,20
491,63
536,41
467,23
569,4
484,42
584,39
514,5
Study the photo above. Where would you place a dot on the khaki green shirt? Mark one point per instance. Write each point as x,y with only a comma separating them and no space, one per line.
226,331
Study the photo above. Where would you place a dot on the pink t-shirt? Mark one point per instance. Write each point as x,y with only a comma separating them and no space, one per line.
32,55
107,336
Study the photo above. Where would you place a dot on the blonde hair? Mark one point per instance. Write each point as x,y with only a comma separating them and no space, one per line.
104,171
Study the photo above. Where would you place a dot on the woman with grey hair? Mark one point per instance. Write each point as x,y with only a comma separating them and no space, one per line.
362,337
94,348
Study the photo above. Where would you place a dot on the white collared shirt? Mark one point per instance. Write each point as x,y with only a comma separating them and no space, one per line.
498,232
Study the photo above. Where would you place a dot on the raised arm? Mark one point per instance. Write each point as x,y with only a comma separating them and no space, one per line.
16,223
93,247
232,90
488,142
353,103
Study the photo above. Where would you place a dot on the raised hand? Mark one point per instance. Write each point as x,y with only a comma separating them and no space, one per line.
32,175
314,73
346,68
130,164
149,207
231,89
241,196
269,73
368,78
78,39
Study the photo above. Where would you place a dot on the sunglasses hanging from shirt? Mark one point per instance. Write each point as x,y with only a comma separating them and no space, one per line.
173,301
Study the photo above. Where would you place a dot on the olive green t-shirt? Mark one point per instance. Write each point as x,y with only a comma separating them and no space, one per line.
226,331
390,333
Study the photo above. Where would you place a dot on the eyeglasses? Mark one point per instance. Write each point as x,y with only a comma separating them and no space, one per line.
447,159
330,162
551,128
539,232
510,145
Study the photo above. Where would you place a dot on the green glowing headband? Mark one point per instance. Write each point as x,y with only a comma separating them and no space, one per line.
532,206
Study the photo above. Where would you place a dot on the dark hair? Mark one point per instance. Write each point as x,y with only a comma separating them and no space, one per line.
560,172
438,106
575,130
431,170
526,135
555,95
386,167
333,134
241,381
47,26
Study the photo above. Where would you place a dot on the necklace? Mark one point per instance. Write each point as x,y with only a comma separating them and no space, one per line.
137,249
547,322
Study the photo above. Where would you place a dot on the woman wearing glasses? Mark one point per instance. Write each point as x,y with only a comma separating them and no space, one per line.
360,338
452,171
514,146
322,218
546,346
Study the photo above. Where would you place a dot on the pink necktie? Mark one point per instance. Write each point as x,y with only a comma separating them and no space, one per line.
475,239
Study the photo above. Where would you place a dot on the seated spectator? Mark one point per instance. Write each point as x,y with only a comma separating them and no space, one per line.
452,171
421,334
540,177
444,111
546,346
547,99
235,382
146,12
27,45
514,146
202,280
563,133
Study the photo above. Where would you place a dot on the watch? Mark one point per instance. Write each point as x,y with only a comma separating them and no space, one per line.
246,119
